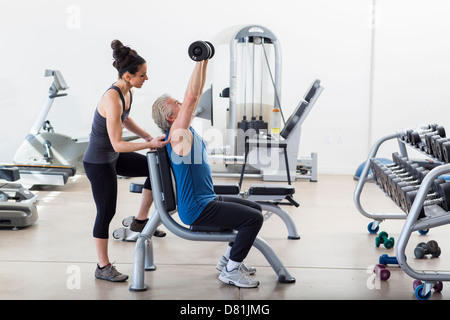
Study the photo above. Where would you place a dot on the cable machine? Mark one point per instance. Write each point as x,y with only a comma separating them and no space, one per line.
253,39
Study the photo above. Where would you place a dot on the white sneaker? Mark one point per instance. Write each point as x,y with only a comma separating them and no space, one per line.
248,270
238,278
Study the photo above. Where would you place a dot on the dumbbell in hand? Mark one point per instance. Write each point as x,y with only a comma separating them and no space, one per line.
383,239
201,50
431,247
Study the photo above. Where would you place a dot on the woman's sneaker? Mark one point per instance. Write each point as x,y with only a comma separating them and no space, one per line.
248,270
109,273
238,278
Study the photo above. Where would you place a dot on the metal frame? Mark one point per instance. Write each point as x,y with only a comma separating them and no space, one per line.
364,177
143,256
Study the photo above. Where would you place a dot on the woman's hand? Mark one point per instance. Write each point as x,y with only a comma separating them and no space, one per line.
157,142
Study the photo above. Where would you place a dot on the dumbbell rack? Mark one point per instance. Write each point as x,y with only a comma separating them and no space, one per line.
435,219
435,215
378,217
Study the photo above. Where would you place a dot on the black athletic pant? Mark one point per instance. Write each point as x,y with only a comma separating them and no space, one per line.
103,178
234,213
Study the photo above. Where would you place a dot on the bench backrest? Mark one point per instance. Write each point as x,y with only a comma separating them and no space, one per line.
167,183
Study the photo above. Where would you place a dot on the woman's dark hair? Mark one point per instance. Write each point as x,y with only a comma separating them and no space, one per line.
125,58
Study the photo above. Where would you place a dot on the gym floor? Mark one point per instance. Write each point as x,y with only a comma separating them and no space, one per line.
55,258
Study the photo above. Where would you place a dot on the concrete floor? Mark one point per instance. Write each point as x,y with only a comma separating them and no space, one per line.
55,258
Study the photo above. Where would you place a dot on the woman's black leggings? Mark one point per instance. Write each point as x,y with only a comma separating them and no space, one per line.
234,213
103,178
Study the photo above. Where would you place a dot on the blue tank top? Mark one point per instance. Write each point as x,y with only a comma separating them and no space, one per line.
193,178
100,149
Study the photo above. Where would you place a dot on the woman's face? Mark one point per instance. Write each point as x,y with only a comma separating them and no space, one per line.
137,80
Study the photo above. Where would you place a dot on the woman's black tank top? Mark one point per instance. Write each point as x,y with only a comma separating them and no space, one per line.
100,149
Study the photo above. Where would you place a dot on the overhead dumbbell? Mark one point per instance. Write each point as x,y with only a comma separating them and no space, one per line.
442,190
383,239
201,50
431,247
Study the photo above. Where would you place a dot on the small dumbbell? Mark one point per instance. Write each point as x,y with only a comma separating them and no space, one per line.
383,239
442,190
382,272
385,259
431,247
438,286
201,50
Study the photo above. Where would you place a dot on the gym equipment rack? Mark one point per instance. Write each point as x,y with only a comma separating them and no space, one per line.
435,215
402,138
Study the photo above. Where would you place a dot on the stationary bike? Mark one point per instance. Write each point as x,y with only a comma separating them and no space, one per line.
44,146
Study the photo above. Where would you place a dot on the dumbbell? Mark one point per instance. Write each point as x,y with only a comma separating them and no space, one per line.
406,193
438,286
407,173
383,239
382,272
444,149
442,190
385,260
431,137
416,136
431,247
403,186
201,50
421,130
381,171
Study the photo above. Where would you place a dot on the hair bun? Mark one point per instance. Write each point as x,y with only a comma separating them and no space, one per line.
125,57
120,51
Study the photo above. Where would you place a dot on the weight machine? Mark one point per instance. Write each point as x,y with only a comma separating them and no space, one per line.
252,42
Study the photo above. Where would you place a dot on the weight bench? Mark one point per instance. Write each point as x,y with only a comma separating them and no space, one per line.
165,204
269,196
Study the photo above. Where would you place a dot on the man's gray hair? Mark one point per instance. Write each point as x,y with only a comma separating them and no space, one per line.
160,110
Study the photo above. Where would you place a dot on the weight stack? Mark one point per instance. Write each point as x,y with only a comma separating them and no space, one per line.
248,128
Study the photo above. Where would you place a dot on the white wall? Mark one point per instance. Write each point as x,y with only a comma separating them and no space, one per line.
325,39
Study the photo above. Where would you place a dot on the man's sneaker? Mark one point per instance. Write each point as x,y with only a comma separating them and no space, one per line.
237,278
138,226
248,270
110,273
